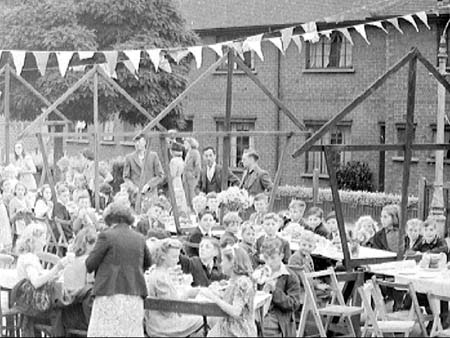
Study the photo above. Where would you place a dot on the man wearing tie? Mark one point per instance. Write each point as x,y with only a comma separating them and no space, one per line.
211,174
134,164
255,180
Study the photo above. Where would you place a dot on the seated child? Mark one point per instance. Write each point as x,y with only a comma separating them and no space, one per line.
260,203
331,224
315,222
232,223
248,243
431,242
203,229
151,220
302,257
365,229
199,204
204,268
414,229
213,204
86,215
284,286
106,196
297,211
272,222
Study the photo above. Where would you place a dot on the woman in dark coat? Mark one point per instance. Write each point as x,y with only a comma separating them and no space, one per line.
119,260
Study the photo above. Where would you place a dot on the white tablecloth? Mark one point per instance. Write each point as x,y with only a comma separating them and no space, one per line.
423,280
8,278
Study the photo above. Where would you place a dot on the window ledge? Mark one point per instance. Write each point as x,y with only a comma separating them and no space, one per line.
235,72
71,140
107,143
329,70
321,176
127,143
430,160
401,159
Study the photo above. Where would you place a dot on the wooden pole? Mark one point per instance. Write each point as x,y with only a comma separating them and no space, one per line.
421,198
39,96
329,159
352,105
410,105
315,188
431,68
180,97
7,112
130,99
276,182
227,124
96,143
165,156
48,172
55,104
266,91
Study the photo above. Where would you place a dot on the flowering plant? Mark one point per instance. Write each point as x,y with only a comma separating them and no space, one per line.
234,199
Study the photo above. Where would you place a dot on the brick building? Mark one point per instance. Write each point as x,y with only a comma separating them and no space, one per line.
315,85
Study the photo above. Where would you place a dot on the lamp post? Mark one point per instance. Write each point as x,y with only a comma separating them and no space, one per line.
437,204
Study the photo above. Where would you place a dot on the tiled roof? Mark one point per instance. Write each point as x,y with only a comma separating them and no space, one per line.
216,14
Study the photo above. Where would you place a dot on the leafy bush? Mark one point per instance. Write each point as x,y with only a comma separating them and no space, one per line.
355,176
349,197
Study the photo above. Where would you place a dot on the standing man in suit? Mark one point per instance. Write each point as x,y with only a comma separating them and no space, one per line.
211,174
134,164
255,180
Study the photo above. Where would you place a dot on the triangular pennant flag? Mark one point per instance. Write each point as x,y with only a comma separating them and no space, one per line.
394,22
327,33
130,67
18,59
254,43
361,30
311,33
111,60
286,36
63,61
309,27
238,47
379,25
134,56
277,43
346,33
105,68
411,20
423,17
217,47
41,61
78,68
197,52
154,55
298,42
85,55
178,54
165,65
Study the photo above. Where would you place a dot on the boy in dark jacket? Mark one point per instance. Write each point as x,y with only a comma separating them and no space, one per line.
431,242
284,286
315,222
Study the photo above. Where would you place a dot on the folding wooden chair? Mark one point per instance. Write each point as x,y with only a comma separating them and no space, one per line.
335,308
437,329
378,326
414,313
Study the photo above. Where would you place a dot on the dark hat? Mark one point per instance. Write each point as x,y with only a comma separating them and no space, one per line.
177,147
253,153
330,216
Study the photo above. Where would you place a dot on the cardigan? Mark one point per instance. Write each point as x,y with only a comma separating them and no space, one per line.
119,259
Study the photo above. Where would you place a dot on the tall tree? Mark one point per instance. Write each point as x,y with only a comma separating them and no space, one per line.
97,25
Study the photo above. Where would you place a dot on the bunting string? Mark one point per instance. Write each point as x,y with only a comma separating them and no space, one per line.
280,39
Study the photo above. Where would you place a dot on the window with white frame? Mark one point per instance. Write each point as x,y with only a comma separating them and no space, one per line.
108,127
249,57
329,53
341,134
238,143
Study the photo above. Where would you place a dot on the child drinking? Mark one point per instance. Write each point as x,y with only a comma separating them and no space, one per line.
284,286
271,224
365,229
